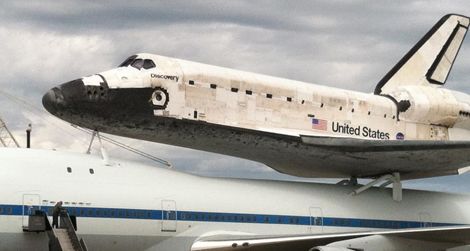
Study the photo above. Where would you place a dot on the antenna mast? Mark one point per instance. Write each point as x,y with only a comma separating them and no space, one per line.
6,138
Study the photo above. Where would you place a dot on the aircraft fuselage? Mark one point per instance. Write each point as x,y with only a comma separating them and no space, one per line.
254,116
130,206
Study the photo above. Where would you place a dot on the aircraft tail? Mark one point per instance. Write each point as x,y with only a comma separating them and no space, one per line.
430,60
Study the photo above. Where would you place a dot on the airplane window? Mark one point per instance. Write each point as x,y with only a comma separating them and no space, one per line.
128,61
148,63
138,63
1,210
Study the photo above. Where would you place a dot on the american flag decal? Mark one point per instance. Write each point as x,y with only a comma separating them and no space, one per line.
319,124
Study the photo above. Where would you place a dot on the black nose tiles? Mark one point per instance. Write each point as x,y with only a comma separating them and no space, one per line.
49,101
73,91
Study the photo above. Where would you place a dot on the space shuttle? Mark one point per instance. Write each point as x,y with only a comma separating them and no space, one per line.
410,124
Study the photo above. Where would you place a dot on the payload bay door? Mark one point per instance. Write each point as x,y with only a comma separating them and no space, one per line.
31,202
316,220
169,216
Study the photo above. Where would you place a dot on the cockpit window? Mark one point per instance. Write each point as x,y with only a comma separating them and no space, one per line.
138,63
148,63
128,61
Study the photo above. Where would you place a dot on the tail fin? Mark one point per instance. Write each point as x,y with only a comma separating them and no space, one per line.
431,59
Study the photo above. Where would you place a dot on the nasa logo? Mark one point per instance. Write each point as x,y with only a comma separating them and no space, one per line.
400,136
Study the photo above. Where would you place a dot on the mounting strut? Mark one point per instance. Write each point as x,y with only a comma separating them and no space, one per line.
387,179
104,153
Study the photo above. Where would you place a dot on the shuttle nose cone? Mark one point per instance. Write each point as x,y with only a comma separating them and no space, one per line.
63,97
51,99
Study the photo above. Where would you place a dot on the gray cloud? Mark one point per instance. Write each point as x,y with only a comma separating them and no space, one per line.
343,44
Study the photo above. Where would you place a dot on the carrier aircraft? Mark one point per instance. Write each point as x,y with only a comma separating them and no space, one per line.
125,205
410,127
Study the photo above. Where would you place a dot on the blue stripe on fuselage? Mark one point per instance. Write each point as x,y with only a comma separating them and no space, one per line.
196,216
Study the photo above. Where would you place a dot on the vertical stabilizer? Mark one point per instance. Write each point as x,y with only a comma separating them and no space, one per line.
430,60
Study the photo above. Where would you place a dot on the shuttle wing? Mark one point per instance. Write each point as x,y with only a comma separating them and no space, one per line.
456,236
412,158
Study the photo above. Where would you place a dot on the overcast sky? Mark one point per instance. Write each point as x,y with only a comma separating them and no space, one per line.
344,44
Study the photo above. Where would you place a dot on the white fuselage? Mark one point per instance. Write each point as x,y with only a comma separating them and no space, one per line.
258,102
130,206
267,119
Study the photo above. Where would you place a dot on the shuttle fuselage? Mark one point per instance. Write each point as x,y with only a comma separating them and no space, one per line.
250,116
267,119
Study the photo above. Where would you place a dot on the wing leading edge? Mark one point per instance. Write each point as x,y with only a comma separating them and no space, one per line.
452,236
